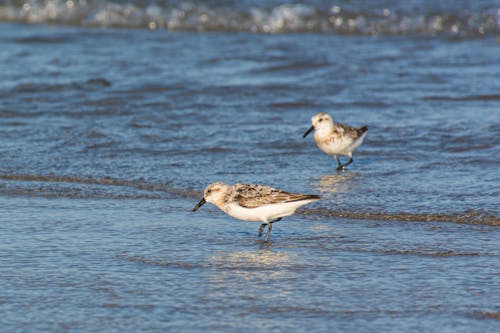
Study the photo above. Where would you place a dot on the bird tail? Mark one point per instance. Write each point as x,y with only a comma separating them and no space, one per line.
311,197
363,129
303,197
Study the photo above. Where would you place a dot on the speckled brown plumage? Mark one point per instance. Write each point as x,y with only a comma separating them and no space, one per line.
251,196
341,130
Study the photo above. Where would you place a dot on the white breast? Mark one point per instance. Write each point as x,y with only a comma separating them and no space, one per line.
333,147
345,146
264,213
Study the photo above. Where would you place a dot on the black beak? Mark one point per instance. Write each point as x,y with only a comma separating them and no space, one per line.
199,204
308,131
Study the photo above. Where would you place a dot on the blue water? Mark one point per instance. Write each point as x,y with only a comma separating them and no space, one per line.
148,265
109,133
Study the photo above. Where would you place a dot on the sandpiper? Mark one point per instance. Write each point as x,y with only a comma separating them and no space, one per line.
336,139
257,203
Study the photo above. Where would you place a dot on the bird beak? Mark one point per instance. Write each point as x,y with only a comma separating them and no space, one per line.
199,204
308,131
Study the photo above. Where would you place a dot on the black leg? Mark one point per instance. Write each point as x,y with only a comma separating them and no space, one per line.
269,227
338,161
263,225
261,229
342,166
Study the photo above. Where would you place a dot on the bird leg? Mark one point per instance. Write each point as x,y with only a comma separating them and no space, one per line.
342,166
261,229
338,161
263,225
269,227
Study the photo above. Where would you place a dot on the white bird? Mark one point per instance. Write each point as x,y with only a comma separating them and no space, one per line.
334,138
257,203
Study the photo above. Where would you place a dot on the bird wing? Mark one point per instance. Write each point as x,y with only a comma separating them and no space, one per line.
252,196
352,132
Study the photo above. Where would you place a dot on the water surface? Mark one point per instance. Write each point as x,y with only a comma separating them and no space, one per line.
110,131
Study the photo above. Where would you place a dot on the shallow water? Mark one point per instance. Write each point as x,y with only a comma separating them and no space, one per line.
149,265
108,137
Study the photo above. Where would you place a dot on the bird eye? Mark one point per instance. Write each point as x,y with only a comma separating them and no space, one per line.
320,120
209,191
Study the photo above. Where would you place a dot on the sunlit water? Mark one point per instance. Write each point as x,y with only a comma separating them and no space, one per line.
149,265
108,137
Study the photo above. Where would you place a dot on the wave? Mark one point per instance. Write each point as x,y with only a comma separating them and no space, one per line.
468,217
147,190
428,252
261,17
473,98
139,184
36,87
159,262
483,314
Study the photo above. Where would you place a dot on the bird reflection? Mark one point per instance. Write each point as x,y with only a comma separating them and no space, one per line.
255,259
334,183
255,269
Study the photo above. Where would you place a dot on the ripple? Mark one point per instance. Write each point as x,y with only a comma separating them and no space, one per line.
160,263
483,314
35,87
491,97
478,217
